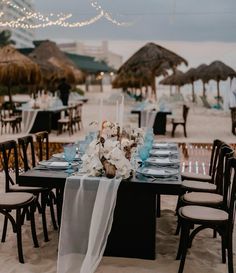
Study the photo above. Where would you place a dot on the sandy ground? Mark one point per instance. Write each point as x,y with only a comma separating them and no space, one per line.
204,256
203,125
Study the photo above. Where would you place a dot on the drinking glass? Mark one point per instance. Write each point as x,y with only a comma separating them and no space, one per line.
83,145
143,154
69,155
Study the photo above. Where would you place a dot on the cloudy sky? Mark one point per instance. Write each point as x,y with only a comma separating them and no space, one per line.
199,30
171,20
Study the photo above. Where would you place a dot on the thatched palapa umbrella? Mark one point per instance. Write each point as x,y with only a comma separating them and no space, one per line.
17,69
152,56
217,71
190,77
176,79
199,73
49,51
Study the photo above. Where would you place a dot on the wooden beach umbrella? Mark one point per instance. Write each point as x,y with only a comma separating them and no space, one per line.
190,77
50,73
152,56
176,79
218,71
199,75
50,52
17,69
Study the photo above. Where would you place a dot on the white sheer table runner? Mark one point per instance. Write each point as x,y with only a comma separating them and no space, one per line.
28,119
148,118
87,217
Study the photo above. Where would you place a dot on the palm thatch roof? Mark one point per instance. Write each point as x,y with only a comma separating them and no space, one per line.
217,71
50,52
177,78
15,68
152,56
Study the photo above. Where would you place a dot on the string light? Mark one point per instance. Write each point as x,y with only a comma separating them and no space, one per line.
59,19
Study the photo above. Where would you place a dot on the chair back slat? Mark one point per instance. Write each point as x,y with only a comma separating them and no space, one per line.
185,112
230,176
220,182
215,155
9,160
42,141
26,151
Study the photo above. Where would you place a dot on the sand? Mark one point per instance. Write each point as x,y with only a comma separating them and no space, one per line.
204,256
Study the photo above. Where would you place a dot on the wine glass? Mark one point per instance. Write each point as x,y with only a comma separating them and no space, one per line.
143,154
69,155
83,144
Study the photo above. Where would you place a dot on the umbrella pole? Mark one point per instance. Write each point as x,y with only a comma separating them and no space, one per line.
218,92
9,94
193,95
154,85
204,89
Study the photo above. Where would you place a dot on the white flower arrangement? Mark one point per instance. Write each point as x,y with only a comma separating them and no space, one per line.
112,149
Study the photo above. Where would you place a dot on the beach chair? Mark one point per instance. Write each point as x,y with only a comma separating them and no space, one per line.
182,121
205,102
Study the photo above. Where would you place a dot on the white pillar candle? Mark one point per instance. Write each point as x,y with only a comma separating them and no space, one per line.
117,111
100,114
121,114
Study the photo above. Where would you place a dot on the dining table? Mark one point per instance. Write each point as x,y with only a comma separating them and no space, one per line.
133,232
158,119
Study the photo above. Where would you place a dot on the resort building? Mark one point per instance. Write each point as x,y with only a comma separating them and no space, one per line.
100,52
22,37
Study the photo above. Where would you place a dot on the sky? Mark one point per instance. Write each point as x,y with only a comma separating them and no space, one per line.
208,22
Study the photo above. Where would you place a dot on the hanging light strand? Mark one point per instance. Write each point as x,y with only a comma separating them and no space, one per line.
52,19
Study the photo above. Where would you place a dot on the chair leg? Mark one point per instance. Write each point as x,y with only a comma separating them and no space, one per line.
52,211
173,129
223,249
185,230
230,254
44,220
19,236
185,132
4,231
33,229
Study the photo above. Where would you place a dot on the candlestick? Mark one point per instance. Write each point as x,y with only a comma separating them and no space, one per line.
100,114
121,114
117,111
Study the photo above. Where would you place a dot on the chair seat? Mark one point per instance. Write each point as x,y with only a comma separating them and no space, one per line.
180,120
16,198
196,176
198,186
203,213
9,119
18,188
63,120
203,198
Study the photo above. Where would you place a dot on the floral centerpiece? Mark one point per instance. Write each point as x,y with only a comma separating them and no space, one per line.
111,152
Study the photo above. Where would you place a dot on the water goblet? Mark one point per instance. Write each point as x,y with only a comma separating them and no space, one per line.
143,154
69,155
83,145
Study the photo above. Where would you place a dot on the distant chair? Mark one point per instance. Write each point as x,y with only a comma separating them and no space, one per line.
179,121
233,118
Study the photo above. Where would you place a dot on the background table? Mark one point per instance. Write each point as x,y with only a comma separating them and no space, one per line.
159,126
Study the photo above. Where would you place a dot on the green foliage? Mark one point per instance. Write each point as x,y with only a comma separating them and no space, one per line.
5,38
15,90
78,90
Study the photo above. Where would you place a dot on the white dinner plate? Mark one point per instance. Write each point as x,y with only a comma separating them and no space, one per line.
61,156
165,161
57,165
163,145
147,171
163,153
